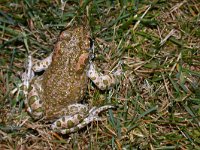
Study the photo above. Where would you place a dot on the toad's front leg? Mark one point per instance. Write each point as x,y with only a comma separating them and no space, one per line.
103,82
32,67
34,102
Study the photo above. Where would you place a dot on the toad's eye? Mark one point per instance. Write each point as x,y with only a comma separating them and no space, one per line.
65,35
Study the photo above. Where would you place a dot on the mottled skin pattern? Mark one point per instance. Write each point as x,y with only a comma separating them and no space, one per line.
55,95
64,81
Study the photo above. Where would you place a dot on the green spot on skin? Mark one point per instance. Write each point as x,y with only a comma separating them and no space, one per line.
80,118
30,88
32,100
93,78
70,123
67,131
58,124
105,82
39,109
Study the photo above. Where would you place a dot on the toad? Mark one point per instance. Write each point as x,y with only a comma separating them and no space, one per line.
55,95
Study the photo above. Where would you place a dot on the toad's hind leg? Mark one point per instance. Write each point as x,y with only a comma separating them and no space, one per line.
74,114
34,103
32,86
84,121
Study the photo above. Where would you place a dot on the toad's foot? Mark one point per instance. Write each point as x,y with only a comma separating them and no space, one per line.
68,121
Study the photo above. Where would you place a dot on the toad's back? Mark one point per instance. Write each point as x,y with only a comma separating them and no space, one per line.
65,80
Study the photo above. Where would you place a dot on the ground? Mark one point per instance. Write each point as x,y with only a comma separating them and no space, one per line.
156,42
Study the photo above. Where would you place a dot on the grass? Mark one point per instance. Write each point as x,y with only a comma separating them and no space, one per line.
158,44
